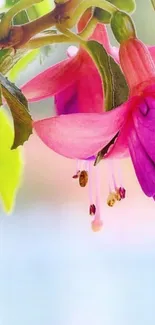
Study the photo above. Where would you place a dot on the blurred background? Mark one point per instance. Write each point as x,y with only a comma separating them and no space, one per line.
53,269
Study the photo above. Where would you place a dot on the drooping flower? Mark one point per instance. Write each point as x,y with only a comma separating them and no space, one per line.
81,136
77,88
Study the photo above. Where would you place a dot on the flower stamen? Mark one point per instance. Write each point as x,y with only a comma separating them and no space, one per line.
75,176
111,200
116,193
92,209
83,178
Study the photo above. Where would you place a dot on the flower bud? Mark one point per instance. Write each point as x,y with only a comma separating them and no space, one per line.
122,26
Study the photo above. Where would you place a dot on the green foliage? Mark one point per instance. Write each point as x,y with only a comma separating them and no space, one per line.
115,86
19,109
153,3
11,164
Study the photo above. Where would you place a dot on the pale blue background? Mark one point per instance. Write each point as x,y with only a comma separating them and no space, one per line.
53,269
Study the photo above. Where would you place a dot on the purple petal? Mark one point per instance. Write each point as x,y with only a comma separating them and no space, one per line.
66,102
144,166
144,122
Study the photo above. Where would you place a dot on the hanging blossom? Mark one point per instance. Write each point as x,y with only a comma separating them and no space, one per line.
82,136
76,86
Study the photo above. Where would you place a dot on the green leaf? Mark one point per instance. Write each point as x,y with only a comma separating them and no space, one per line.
11,164
0,96
8,59
153,4
114,83
19,109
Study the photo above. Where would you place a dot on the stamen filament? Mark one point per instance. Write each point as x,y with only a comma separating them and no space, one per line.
97,223
90,183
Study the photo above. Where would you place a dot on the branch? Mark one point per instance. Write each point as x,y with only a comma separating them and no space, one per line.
19,35
66,14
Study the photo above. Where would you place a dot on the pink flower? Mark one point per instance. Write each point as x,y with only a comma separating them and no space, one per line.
81,136
76,86
75,82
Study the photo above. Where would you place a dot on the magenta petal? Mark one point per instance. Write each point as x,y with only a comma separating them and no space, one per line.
144,122
120,148
144,166
80,135
66,102
85,95
52,80
90,92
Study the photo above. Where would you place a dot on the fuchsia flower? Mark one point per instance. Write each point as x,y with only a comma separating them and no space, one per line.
82,136
75,82
76,86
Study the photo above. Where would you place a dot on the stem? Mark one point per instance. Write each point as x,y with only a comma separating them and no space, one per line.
38,42
6,20
84,5
88,30
74,37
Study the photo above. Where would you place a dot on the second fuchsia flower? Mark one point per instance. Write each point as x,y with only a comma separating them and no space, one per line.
81,136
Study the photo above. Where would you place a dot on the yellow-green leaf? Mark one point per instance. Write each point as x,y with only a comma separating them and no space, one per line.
11,164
